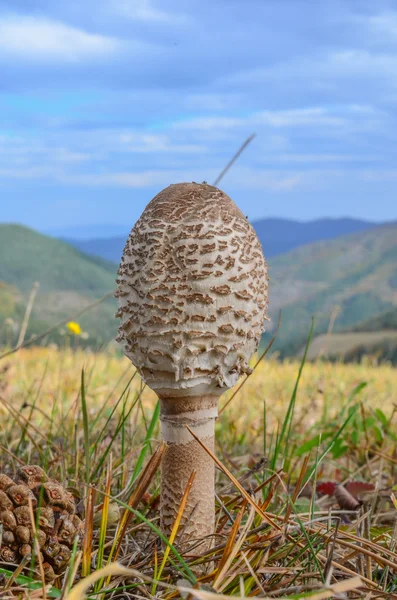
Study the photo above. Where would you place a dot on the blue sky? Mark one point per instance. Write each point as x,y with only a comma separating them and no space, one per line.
105,102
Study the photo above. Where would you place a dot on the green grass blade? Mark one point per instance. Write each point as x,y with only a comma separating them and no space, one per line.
86,429
119,427
122,395
287,423
31,584
146,443
332,442
185,570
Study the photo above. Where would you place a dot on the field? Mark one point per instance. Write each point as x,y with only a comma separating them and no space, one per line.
343,344
287,444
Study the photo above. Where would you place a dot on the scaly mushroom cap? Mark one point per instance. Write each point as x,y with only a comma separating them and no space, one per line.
192,292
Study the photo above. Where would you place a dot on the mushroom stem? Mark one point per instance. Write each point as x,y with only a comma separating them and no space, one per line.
183,456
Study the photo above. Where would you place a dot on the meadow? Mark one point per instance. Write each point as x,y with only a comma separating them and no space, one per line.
286,438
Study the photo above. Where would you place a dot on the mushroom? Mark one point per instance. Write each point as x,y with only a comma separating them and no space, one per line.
192,295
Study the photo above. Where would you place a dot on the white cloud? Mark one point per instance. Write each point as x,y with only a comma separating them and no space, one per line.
310,159
239,177
144,10
64,155
17,147
35,38
298,117
322,70
60,168
380,175
250,178
94,147
126,179
33,172
210,123
146,143
207,101
383,24
312,116
362,63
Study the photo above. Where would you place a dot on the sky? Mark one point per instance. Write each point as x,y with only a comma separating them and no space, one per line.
105,102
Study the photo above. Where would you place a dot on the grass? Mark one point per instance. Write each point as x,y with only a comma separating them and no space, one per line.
283,440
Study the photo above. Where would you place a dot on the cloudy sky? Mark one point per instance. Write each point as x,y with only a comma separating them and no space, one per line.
104,102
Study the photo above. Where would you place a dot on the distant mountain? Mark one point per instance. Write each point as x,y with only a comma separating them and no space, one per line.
276,235
88,232
279,236
108,248
343,281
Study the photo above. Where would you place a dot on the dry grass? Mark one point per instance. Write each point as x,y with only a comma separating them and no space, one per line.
54,376
336,429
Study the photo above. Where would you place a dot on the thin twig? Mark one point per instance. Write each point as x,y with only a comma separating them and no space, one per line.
235,157
28,311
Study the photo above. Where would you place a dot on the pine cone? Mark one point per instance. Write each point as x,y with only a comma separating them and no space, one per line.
54,511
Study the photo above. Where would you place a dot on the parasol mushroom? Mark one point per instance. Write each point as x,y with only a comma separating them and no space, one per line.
192,295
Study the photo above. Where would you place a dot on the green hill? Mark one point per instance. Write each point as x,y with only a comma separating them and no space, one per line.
350,280
28,256
347,280
351,346
375,337
69,281
384,321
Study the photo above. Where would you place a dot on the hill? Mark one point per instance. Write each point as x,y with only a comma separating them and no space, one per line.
69,281
385,321
276,235
352,346
375,337
28,256
279,236
350,279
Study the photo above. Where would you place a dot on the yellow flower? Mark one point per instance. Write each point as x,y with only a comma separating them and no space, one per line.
74,327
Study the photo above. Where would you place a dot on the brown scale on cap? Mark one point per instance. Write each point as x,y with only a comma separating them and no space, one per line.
192,294
191,278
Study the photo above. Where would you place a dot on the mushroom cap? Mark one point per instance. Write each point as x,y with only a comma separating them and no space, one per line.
192,292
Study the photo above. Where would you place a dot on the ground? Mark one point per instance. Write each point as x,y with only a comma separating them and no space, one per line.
88,420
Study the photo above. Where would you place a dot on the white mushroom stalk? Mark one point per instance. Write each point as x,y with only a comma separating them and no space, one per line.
192,293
